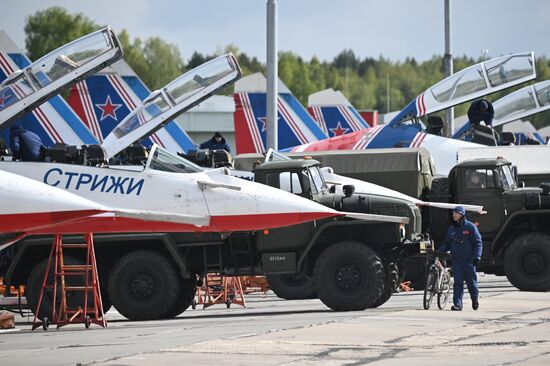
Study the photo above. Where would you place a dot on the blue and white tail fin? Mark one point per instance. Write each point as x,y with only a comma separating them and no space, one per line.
295,125
54,121
334,113
105,99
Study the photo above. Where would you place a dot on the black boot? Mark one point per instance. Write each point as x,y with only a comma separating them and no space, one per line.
456,308
475,304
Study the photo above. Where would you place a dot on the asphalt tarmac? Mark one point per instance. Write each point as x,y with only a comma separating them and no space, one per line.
511,327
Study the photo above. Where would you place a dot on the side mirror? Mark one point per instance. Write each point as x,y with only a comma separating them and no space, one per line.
348,189
514,170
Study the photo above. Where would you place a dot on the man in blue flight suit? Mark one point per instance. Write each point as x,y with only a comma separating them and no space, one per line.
217,142
464,242
481,110
24,144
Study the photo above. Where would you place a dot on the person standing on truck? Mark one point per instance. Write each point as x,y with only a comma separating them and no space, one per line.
464,241
217,142
481,110
25,145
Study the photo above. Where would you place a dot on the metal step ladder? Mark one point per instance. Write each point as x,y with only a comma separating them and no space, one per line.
91,309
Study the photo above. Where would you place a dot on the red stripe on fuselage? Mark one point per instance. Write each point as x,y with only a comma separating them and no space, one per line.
50,223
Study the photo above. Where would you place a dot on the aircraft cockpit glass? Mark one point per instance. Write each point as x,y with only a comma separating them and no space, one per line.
508,68
65,59
143,114
14,89
515,103
198,79
167,162
460,84
543,93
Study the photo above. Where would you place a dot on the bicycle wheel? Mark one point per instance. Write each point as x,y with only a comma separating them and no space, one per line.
429,290
445,288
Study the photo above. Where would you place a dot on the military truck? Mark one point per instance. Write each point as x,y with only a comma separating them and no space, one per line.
409,171
304,178
351,262
515,230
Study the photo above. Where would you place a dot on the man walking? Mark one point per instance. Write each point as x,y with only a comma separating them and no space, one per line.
464,241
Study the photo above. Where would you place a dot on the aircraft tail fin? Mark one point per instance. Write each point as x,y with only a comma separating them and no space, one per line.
295,125
105,99
334,113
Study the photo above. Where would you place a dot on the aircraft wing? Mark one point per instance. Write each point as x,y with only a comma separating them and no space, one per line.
26,89
369,188
377,218
163,105
473,82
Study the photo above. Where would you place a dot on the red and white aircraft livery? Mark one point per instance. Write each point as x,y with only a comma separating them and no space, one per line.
167,185
407,130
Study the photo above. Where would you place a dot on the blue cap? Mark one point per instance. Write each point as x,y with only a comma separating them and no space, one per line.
460,210
15,128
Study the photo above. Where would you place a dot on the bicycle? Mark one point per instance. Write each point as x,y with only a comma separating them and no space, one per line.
438,282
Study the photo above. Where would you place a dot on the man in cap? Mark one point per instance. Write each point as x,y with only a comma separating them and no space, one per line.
481,110
217,142
464,241
24,144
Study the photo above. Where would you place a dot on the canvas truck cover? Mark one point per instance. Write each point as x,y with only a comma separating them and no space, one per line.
409,171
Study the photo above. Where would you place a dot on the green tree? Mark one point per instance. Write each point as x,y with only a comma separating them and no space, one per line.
53,27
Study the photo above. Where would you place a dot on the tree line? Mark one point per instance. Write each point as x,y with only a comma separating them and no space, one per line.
368,83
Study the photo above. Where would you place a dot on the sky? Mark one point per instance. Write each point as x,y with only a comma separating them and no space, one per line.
394,29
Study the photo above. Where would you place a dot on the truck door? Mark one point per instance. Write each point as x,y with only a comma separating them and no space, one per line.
479,186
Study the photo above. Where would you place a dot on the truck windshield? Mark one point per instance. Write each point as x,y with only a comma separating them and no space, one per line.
507,177
316,179
167,162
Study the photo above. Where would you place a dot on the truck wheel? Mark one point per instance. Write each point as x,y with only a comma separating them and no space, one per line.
527,262
143,285
103,273
188,288
392,281
289,287
348,276
34,286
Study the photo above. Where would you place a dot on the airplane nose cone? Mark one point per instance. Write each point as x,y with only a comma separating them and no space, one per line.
256,206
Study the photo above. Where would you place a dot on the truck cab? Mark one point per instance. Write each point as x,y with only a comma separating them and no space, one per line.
304,178
515,232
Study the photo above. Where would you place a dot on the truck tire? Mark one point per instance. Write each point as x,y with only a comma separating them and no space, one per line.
348,276
416,272
103,273
527,262
390,286
188,288
288,287
144,285
34,287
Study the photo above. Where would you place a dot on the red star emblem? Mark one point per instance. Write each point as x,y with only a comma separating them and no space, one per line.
338,130
263,121
108,109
